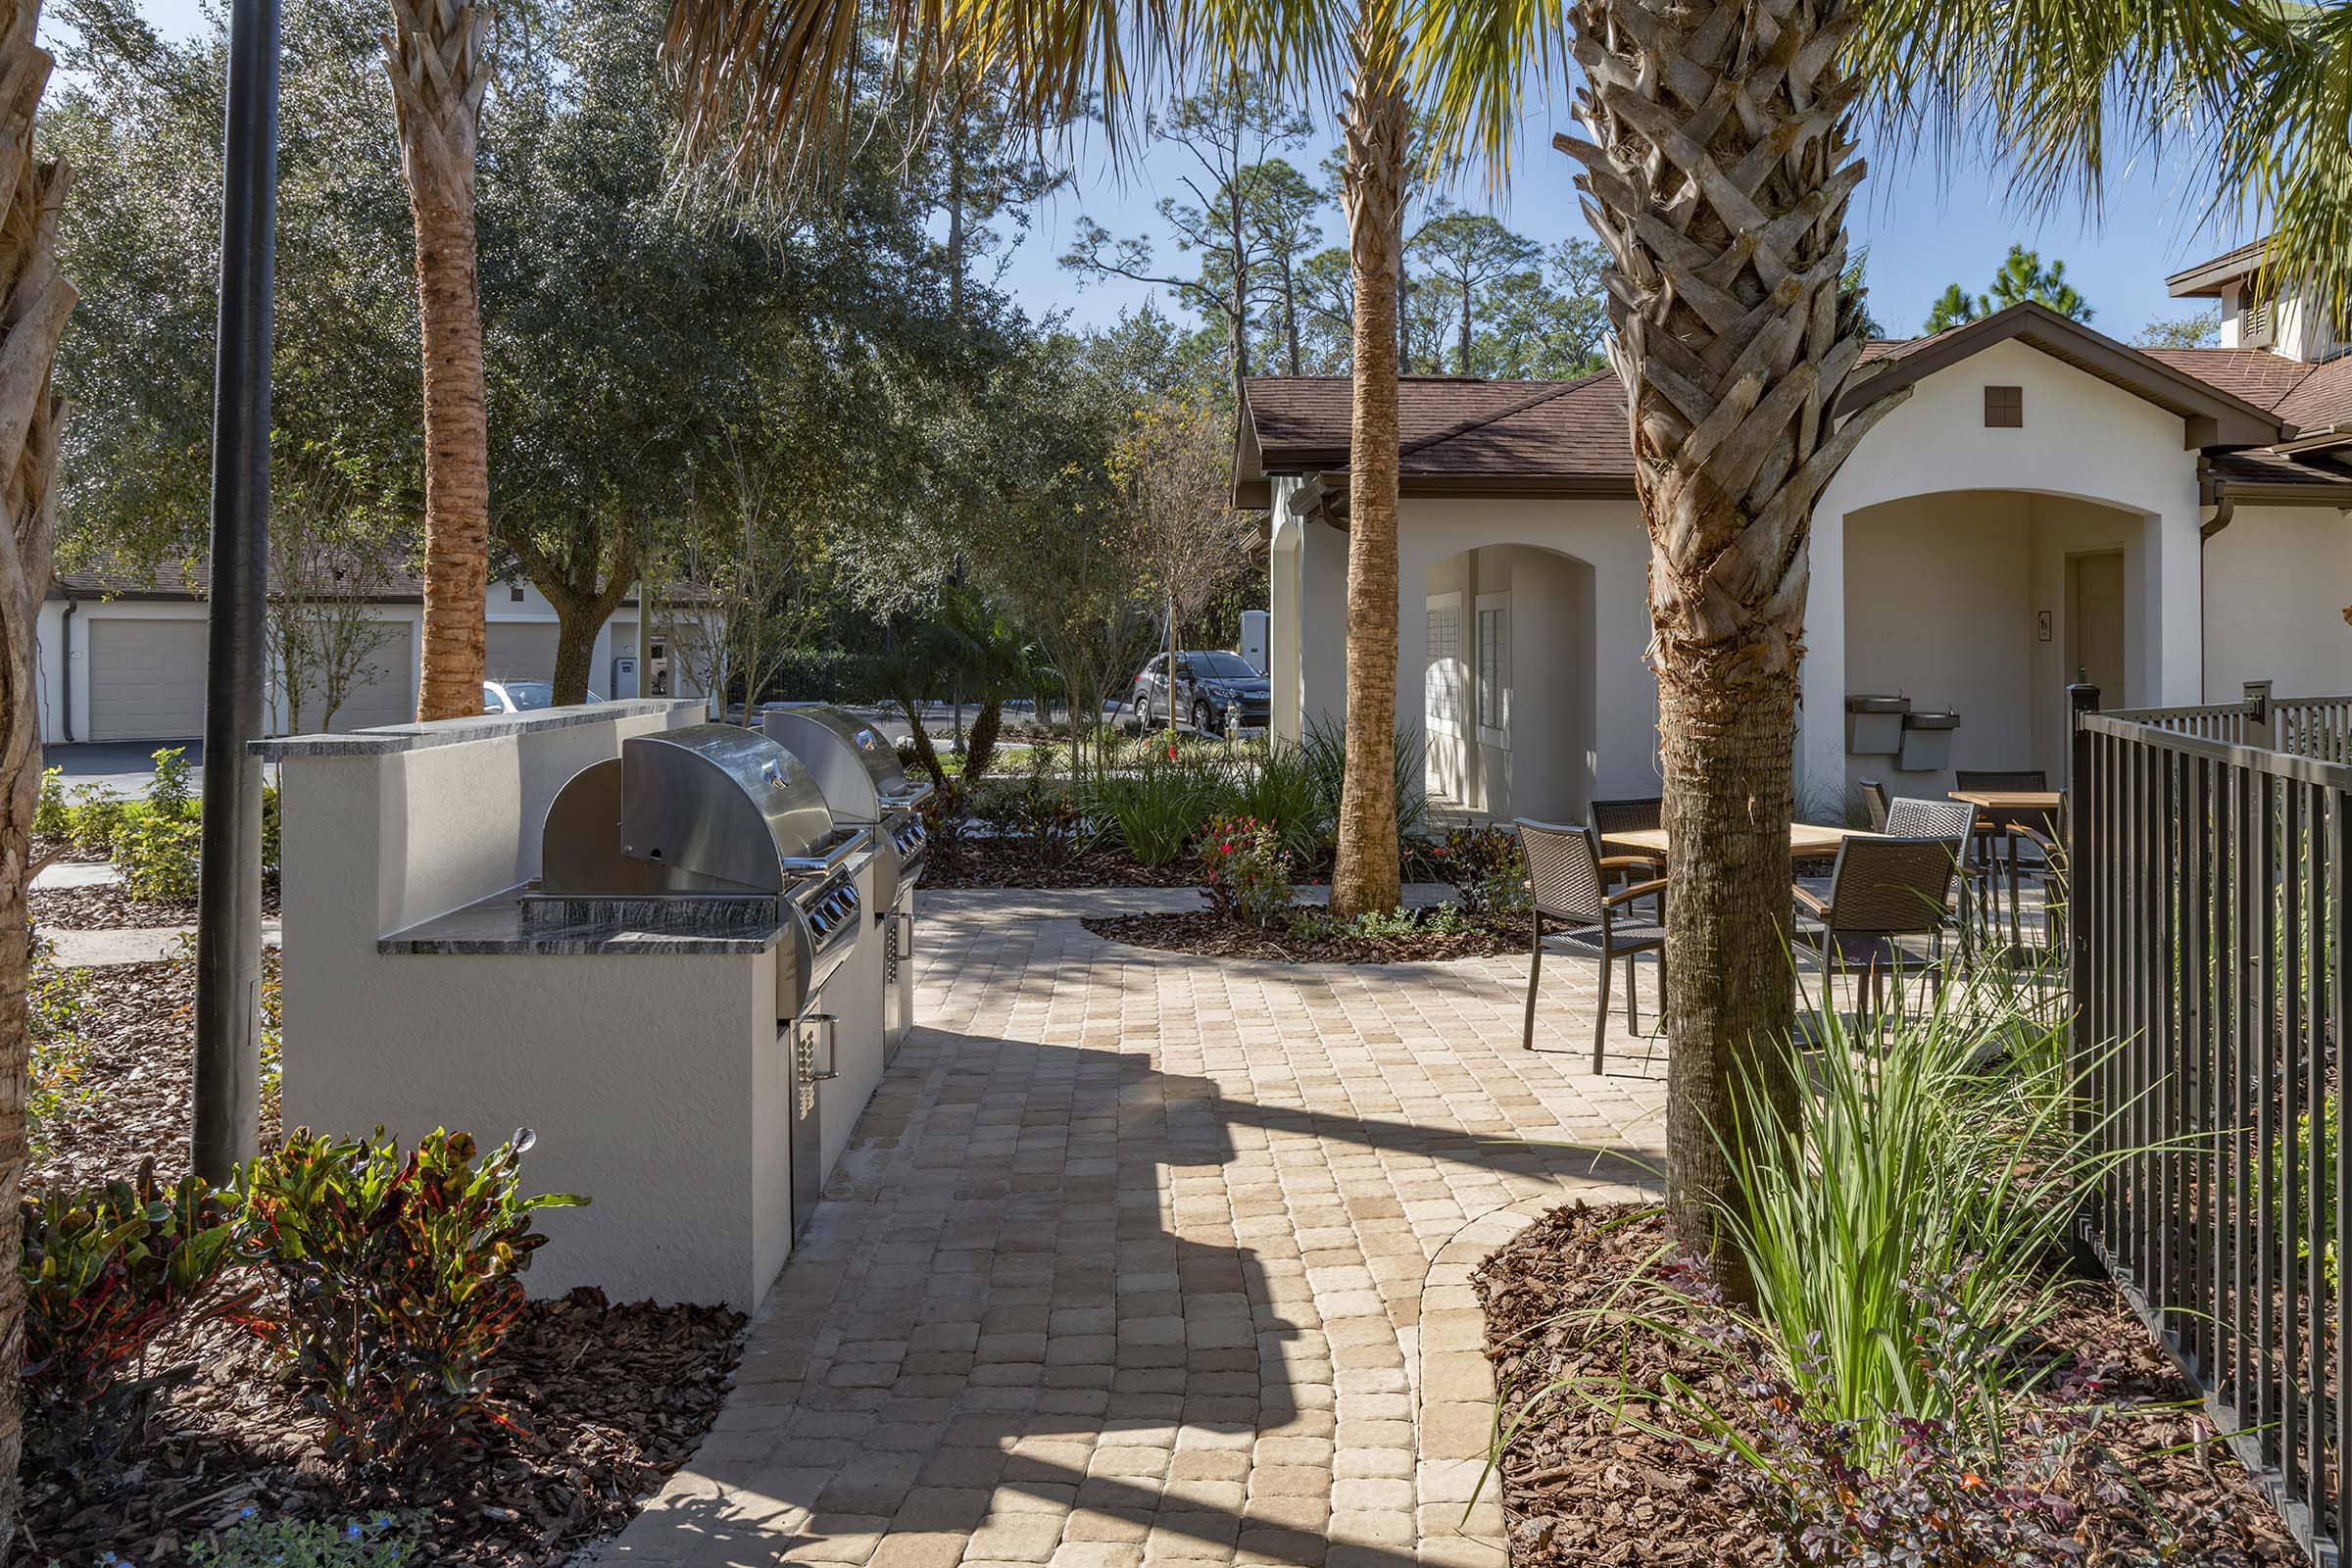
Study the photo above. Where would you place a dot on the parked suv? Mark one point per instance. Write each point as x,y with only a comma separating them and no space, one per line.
1214,690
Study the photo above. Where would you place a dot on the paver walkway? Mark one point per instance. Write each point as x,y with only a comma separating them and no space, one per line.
1126,1262
83,947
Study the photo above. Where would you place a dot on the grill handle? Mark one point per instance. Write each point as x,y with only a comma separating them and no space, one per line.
805,1044
897,949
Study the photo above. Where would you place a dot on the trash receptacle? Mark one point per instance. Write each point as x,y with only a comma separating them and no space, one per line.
1874,723
1927,741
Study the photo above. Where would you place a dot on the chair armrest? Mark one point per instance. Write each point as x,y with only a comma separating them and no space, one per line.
1637,891
1626,862
1816,905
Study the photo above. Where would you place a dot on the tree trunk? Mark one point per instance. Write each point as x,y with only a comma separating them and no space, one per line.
1465,344
1373,127
581,607
983,751
1718,174
576,654
1290,313
37,300
433,55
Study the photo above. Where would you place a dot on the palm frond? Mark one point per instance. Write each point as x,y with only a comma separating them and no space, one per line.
769,82
1474,65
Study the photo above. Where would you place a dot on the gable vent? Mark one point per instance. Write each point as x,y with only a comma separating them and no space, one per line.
2004,408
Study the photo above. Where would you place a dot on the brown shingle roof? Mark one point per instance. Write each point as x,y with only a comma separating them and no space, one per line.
177,578
1452,428
2257,376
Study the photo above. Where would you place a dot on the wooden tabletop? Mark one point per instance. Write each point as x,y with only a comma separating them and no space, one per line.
1806,839
2011,800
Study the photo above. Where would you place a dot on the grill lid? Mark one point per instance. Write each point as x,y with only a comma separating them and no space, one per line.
720,802
855,763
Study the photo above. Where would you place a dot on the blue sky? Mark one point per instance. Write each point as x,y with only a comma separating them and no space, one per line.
1924,226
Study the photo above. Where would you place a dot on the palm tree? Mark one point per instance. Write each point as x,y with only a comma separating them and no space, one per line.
434,57
1717,170
38,303
769,78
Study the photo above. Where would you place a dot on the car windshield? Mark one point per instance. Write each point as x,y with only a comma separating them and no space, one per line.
1222,667
526,695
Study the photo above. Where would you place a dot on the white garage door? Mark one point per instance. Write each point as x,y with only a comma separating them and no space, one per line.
387,695
520,650
146,679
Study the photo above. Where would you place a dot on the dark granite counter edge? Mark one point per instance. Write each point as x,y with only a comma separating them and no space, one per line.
391,739
495,926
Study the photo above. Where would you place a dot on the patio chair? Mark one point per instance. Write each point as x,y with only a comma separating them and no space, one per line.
1998,835
1874,800
1610,818
1881,890
1953,821
1568,885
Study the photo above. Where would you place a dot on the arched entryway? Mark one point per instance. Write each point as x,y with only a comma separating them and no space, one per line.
1507,696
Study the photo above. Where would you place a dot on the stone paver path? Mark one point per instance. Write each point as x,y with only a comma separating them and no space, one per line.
1126,1264
82,947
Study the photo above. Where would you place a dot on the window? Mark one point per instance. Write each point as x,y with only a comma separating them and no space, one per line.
1493,668
514,595
2004,408
1442,704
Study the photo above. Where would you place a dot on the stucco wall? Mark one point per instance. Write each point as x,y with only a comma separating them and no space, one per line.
2276,581
1542,761
2081,439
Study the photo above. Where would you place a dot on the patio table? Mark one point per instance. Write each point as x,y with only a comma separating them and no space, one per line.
1807,840
2005,808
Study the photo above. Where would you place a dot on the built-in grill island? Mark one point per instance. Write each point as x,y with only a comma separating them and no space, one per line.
856,767
644,936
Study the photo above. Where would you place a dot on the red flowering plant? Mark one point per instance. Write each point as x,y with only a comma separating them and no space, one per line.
1245,871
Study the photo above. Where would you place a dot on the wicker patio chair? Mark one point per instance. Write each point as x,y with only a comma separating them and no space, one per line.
1568,886
1612,818
1953,821
1881,890
1874,800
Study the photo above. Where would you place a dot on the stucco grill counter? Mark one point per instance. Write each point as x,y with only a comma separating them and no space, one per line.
857,770
645,938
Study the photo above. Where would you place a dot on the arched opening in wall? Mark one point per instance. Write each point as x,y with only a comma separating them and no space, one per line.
1508,691
1985,603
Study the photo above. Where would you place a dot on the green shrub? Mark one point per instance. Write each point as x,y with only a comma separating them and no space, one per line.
52,818
270,829
257,1543
105,1271
1279,788
1378,925
91,814
402,1274
1482,864
56,997
159,854
168,790
1245,871
1156,807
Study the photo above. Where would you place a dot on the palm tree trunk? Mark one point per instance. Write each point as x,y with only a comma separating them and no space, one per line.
1373,125
433,55
1718,177
34,302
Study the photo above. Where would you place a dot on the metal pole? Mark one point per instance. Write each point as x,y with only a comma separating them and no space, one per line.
228,916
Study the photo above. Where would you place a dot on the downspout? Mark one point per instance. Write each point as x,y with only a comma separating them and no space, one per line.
65,642
2224,508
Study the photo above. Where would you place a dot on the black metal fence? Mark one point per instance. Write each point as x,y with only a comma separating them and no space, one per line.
2209,968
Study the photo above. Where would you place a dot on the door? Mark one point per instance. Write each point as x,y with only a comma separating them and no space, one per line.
520,650
2095,623
146,679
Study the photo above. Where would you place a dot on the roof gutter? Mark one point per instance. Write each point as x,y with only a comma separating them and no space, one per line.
64,646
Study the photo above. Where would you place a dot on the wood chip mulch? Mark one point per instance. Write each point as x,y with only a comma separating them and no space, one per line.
1209,935
1582,1489
609,1399
105,906
979,862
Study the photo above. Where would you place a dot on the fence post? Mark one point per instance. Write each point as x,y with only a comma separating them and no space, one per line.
2258,719
2082,884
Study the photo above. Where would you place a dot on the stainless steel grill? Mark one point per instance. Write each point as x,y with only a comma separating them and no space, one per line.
709,827
856,769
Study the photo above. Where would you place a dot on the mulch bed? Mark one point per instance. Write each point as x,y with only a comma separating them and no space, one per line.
1213,935
979,862
105,906
1580,1488
610,1400
64,851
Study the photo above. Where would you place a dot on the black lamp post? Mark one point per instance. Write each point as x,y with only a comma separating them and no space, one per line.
229,918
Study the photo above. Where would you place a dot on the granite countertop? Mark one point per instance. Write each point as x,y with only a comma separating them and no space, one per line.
391,738
496,925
